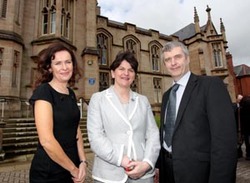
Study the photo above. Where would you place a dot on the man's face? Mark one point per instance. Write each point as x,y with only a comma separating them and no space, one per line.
176,63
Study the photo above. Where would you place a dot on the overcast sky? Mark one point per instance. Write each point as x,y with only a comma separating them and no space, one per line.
169,16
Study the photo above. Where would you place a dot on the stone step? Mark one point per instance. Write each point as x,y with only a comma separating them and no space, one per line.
19,134
14,132
20,137
27,148
19,129
28,135
28,138
19,152
17,125
31,120
12,146
17,120
32,128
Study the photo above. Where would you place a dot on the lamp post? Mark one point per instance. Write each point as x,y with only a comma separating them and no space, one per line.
80,107
27,109
2,125
2,107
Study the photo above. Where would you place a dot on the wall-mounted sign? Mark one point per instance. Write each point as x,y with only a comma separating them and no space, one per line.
91,81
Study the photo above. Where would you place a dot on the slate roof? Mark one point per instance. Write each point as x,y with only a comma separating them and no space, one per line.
241,70
188,31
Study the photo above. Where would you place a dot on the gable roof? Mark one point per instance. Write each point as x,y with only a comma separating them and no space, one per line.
241,70
188,31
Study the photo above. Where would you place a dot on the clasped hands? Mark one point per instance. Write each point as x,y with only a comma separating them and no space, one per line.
135,169
79,174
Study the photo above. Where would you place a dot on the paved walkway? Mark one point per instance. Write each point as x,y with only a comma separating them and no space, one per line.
18,172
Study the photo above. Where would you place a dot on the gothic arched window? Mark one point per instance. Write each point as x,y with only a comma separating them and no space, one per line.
102,46
155,58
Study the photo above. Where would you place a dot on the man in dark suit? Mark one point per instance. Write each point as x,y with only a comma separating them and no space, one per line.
245,121
237,111
204,141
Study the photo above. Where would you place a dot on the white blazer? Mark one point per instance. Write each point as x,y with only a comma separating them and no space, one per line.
114,133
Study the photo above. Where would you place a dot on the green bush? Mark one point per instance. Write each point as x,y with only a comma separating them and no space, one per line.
158,121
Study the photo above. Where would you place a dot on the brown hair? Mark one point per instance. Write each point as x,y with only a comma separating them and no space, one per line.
128,56
44,64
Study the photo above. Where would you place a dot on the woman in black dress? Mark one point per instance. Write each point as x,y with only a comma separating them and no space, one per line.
60,154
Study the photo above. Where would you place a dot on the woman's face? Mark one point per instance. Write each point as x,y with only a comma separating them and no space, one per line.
62,67
124,75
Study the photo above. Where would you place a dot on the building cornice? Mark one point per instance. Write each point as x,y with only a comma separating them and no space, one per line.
11,36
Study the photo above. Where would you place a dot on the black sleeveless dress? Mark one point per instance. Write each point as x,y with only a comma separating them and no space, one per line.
66,116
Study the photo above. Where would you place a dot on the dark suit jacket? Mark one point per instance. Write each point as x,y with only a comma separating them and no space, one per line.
244,115
236,113
204,143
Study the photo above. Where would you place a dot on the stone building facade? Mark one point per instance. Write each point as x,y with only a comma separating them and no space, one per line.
207,49
28,26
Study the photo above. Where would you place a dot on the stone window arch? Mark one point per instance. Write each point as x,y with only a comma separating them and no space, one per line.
155,58
102,46
132,44
217,54
3,8
157,82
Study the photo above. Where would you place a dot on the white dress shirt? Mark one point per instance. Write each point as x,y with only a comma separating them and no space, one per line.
182,85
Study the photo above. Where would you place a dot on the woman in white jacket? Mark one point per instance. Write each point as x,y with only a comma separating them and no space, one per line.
121,128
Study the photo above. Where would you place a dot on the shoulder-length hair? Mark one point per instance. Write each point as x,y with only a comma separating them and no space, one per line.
44,64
